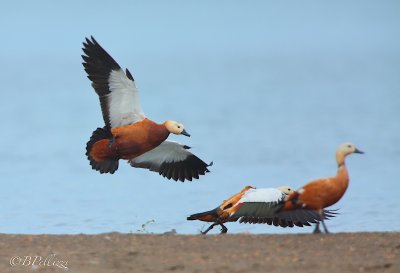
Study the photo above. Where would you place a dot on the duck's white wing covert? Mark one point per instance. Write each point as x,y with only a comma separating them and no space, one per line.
116,89
172,160
259,203
262,206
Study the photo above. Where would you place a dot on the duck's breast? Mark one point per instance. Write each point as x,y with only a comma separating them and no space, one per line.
138,138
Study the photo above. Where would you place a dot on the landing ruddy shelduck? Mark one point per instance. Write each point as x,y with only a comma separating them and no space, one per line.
322,193
258,206
128,134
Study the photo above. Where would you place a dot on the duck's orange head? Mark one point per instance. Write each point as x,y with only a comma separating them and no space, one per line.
176,128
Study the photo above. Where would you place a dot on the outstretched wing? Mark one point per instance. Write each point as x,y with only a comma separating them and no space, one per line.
300,218
261,206
172,160
118,95
305,215
259,203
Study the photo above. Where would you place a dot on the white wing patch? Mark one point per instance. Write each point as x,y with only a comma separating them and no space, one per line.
124,104
166,152
266,195
257,203
172,160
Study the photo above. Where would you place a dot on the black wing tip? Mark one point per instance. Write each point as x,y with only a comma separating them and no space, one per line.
331,213
97,57
272,221
303,217
299,218
98,65
93,40
129,75
90,40
88,43
189,169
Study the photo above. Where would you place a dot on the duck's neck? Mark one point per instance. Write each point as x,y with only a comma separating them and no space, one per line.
158,133
340,157
342,177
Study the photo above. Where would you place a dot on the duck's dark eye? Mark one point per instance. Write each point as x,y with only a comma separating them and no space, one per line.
179,127
349,146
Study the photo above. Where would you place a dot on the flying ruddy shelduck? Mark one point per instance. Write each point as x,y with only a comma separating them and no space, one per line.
127,133
322,193
258,206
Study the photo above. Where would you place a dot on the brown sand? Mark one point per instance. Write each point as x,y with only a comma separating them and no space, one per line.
115,252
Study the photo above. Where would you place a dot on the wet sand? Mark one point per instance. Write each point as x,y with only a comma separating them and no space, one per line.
115,252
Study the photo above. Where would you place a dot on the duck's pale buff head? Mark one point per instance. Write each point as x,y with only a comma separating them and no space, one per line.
344,150
348,148
286,189
176,128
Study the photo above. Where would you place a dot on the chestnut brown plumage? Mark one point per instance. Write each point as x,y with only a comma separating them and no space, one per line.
322,193
257,206
127,133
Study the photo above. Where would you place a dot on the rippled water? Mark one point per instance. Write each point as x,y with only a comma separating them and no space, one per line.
267,98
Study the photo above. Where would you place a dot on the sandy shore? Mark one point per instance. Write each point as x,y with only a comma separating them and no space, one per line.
115,252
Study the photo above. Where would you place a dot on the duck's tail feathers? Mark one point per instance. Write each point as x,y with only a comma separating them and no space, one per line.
208,216
108,165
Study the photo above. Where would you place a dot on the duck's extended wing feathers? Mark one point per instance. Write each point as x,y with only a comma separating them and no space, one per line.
261,206
300,218
116,89
172,160
266,195
259,203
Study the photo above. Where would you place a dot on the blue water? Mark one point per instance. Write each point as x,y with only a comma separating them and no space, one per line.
267,90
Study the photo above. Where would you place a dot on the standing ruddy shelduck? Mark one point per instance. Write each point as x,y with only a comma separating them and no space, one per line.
128,134
258,206
324,192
